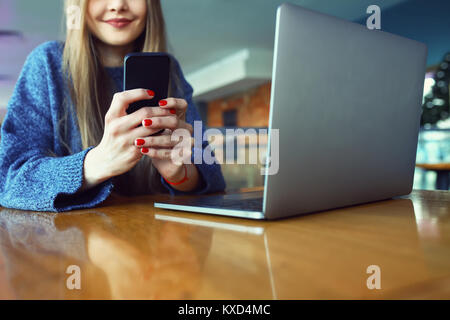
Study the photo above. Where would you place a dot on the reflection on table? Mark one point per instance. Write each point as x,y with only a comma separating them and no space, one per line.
127,249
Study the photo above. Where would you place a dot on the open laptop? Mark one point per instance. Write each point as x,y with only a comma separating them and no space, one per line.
347,103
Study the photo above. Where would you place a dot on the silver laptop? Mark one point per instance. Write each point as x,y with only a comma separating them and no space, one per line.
347,103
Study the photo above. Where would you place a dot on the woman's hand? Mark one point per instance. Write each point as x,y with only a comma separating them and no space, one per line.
116,153
161,147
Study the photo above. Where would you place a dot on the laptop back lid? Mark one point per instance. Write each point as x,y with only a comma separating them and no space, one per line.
347,103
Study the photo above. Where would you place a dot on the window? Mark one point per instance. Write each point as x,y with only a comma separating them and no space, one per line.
230,118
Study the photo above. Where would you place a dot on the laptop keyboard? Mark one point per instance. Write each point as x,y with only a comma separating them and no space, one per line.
229,201
239,204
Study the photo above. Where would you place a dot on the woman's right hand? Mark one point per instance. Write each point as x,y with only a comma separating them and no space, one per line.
116,152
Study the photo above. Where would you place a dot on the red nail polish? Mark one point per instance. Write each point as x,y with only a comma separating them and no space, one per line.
144,150
140,142
162,102
151,93
147,122
173,111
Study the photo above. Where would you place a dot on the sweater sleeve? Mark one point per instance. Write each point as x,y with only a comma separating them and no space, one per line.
31,177
211,178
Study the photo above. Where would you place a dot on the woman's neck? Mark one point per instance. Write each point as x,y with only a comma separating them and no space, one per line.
112,56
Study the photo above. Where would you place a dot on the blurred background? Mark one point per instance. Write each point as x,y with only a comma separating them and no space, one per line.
226,48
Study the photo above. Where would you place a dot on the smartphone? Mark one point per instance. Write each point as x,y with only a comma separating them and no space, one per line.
147,70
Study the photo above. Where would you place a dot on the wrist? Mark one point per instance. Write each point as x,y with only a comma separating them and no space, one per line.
94,171
178,177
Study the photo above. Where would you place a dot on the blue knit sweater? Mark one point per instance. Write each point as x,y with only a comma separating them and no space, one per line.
31,176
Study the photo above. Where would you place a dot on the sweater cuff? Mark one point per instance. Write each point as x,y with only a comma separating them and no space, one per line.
72,177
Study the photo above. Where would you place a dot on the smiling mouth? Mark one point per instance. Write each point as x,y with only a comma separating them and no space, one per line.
118,23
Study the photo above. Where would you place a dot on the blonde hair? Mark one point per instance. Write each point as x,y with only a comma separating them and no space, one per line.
91,90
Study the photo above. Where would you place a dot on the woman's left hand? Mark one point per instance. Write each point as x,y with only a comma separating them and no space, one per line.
160,147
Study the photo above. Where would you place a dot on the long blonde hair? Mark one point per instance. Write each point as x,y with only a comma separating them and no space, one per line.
91,91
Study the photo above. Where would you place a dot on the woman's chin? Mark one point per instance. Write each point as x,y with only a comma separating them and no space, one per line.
118,41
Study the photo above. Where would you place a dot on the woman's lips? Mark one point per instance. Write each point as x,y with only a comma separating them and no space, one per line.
118,23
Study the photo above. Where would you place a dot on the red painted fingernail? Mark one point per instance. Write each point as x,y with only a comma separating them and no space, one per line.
140,142
147,122
151,93
162,102
144,150
173,111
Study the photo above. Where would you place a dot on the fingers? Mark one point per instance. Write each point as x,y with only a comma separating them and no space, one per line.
167,146
121,101
155,124
148,115
176,105
162,141
167,122
133,120
176,155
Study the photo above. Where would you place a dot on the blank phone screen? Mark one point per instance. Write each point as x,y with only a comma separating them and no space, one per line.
149,71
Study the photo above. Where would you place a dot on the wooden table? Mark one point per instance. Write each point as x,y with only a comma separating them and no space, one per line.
442,173
129,249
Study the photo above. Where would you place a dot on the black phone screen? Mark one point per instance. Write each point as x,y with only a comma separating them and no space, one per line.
147,70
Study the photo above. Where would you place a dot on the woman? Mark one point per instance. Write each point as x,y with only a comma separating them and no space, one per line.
67,140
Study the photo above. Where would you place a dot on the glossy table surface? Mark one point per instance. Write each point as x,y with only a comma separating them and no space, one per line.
434,166
128,249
